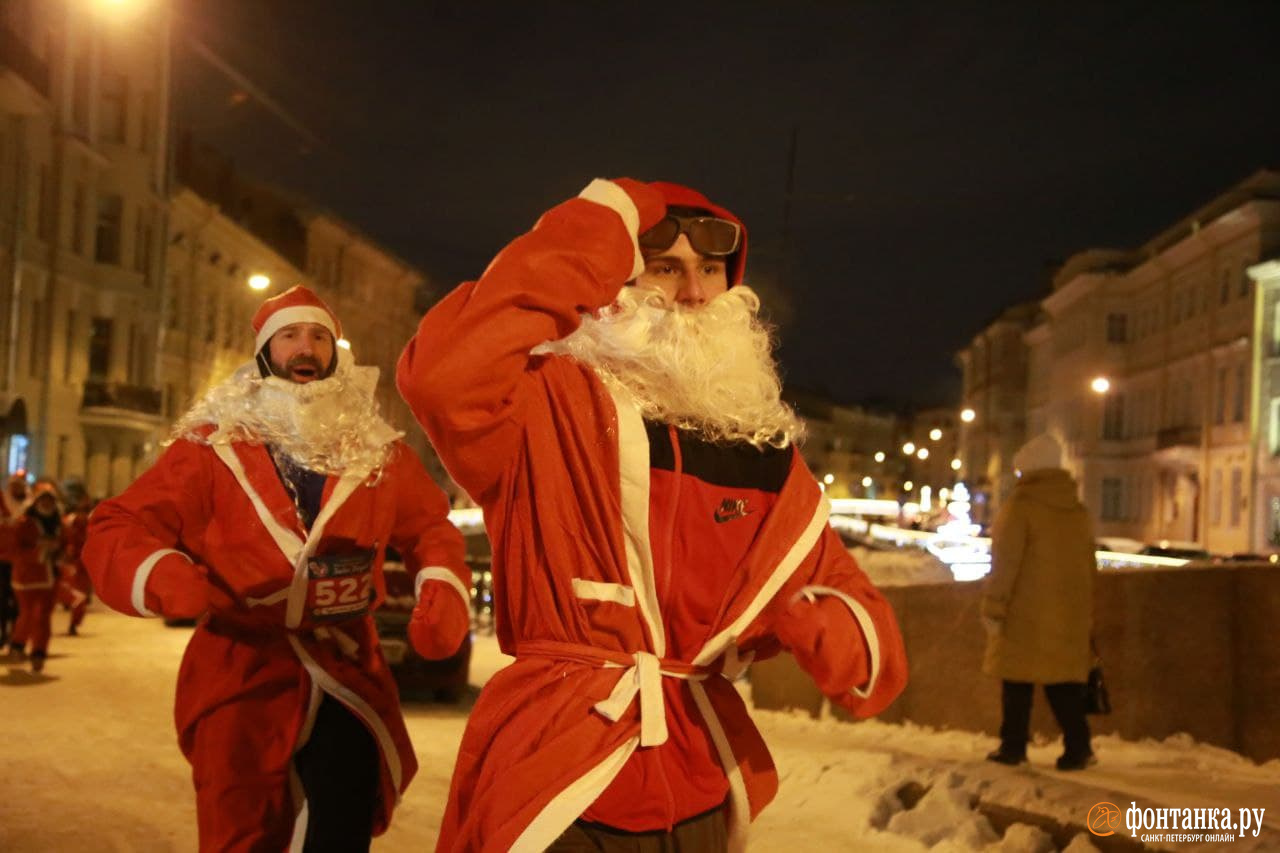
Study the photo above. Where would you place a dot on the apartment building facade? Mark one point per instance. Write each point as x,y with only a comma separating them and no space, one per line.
1147,365
849,448
83,195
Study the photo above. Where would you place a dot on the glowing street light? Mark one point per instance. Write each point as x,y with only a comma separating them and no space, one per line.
909,448
967,415
829,479
879,455
344,343
955,464
908,486
922,453
1100,385
258,281
935,434
866,482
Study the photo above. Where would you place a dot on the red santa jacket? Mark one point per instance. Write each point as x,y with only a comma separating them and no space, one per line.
36,551
265,644
561,465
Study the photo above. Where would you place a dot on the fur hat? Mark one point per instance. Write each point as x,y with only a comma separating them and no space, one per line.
1043,451
298,304
676,195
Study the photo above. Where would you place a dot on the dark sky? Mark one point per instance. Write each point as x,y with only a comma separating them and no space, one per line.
947,154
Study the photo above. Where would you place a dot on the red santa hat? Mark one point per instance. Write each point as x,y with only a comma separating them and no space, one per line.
676,195
298,304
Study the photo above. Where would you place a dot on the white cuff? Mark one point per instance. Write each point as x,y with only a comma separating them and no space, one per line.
616,199
864,622
440,573
138,596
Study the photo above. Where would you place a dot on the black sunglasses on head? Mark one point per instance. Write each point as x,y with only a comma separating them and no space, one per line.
708,235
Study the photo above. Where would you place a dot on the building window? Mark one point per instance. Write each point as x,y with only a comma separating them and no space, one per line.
1112,495
1215,499
44,205
37,338
69,355
1116,328
1220,401
100,334
115,113
1237,496
77,218
1113,417
1244,283
106,240
1237,400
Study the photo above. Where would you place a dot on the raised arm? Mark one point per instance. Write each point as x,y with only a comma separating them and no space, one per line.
466,372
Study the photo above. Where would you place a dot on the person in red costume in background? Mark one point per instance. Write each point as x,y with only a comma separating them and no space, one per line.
74,588
13,501
654,528
38,542
268,516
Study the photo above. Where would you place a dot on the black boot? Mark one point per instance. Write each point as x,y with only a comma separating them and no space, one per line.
37,661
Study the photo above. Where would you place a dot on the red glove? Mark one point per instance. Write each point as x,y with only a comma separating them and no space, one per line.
177,589
827,642
649,202
440,622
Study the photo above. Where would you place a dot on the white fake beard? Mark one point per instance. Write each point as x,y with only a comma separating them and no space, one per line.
709,370
328,425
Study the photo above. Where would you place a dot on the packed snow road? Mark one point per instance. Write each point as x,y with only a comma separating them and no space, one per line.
89,762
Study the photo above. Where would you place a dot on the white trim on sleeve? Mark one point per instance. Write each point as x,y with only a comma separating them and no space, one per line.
864,622
615,198
601,591
138,595
440,573
739,805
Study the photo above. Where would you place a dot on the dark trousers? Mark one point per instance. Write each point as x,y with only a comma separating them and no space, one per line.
1066,699
704,833
8,602
339,769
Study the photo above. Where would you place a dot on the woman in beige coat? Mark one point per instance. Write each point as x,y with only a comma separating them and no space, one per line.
1038,604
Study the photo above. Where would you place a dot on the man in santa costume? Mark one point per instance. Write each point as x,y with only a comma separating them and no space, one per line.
13,502
38,541
74,589
268,516
654,529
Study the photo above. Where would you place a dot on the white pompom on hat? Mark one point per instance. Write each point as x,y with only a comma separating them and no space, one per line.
298,304
1043,451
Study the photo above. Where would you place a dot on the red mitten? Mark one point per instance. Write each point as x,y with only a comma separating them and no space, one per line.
648,201
440,621
177,589
827,642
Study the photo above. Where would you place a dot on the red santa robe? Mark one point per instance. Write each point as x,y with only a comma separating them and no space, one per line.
560,463
255,669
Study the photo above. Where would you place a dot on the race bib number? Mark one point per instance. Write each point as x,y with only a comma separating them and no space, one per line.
340,585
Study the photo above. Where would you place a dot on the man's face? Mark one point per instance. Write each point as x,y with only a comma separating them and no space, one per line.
683,276
301,352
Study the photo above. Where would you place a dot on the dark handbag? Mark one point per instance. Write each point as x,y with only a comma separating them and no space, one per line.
1097,698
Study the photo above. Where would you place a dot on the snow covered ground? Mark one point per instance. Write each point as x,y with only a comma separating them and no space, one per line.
89,762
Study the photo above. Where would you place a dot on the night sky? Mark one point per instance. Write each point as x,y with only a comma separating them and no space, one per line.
946,155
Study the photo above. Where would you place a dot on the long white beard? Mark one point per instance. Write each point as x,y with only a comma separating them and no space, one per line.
709,370
329,425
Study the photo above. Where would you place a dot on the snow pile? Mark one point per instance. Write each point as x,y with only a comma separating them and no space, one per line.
901,566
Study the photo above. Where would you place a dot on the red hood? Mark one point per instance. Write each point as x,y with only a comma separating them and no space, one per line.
675,194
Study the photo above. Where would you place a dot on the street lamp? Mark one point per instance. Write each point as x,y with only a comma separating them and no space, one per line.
909,448
1100,385
879,456
829,479
922,453
967,415
935,434
866,482
258,281
908,486
955,464
346,344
